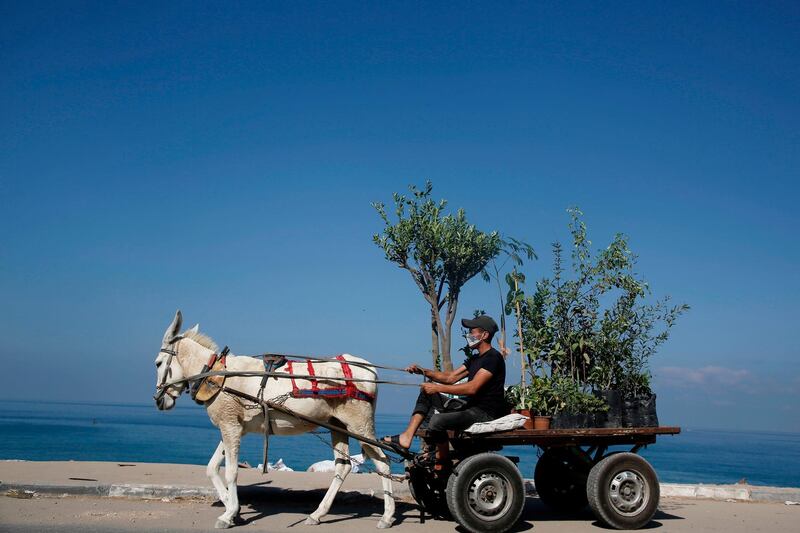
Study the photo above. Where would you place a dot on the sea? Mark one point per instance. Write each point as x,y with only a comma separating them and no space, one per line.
44,431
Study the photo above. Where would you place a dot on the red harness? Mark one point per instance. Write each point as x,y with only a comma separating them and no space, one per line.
348,391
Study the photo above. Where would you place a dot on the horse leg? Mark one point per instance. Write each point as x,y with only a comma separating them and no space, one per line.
384,469
341,448
231,439
212,471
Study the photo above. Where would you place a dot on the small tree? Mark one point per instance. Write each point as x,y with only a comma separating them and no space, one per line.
440,251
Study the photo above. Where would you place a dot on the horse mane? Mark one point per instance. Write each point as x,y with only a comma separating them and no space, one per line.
202,339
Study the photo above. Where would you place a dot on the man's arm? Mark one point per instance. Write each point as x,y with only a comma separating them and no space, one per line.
440,377
463,389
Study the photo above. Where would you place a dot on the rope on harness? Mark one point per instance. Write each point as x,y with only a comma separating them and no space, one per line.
314,384
317,359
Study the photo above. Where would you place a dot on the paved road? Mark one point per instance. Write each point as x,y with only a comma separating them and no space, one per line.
90,515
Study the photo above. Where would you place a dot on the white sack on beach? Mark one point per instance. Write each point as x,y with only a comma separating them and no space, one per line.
330,466
277,466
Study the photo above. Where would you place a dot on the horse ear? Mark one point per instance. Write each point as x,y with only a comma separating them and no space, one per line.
193,330
175,327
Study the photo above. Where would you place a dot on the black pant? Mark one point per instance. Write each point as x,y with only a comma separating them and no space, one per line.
445,419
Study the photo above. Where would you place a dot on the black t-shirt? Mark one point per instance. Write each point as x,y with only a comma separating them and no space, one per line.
491,396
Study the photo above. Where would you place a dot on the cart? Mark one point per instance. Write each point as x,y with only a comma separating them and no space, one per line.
485,491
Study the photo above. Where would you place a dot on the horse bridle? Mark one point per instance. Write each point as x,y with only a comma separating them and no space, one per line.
161,388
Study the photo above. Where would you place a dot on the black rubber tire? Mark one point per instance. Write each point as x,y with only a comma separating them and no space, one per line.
560,476
473,486
623,491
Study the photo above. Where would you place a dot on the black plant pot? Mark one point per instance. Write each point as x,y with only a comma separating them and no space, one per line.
613,417
640,412
564,421
579,420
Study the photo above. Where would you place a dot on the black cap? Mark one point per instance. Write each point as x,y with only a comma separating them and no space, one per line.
485,322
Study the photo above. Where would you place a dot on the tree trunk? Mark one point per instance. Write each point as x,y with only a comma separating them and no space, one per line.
447,362
437,333
434,339
444,347
452,305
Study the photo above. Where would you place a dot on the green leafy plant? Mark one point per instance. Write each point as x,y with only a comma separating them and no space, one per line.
513,250
538,396
514,397
550,396
590,326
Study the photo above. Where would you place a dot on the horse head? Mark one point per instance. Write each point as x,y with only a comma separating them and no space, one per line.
168,366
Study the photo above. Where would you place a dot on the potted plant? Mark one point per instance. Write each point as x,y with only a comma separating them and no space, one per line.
630,333
639,402
538,402
516,397
543,401
578,408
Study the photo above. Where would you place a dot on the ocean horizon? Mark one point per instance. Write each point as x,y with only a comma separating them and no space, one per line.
84,431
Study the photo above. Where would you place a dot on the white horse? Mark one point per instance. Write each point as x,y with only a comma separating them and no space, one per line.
184,354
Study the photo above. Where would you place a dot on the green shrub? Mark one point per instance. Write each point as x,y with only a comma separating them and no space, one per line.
590,327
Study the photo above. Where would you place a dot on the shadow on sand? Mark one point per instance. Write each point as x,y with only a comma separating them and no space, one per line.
536,511
264,500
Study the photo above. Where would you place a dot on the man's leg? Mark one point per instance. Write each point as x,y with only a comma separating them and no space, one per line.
425,403
442,422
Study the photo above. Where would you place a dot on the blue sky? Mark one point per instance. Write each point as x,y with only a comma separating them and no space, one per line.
222,159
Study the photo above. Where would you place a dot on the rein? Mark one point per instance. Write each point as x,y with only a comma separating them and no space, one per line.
161,388
255,373
368,366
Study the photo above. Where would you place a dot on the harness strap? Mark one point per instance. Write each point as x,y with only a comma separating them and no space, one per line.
314,384
348,373
349,390
206,382
289,365
195,387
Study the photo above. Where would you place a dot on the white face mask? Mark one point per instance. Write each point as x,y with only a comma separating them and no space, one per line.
472,340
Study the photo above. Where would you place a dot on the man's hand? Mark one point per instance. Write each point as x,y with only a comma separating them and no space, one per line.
415,369
429,388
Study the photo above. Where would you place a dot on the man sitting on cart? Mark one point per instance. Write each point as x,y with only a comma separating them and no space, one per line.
484,391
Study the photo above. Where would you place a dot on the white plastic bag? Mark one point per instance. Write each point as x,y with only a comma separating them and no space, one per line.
506,423
330,466
278,466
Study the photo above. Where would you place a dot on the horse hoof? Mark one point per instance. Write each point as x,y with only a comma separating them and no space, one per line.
384,525
311,521
222,524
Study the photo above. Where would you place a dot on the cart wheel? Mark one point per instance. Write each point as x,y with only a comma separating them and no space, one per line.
560,478
428,493
623,491
485,492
